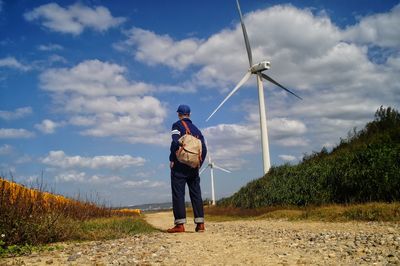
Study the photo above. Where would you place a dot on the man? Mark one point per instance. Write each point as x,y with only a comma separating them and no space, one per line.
182,174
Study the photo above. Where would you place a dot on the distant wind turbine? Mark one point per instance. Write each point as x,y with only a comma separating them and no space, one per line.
212,165
256,69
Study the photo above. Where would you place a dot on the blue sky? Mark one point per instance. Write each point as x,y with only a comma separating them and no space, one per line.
89,89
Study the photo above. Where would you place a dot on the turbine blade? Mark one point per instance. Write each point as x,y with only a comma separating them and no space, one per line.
246,38
222,169
244,79
203,170
279,85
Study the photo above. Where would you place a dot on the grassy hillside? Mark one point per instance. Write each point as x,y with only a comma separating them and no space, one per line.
365,167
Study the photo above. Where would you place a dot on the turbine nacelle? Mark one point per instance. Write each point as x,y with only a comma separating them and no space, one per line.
264,65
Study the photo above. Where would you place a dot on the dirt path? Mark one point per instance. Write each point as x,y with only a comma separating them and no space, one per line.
271,242
254,242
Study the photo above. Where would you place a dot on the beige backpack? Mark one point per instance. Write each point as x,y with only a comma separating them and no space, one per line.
190,149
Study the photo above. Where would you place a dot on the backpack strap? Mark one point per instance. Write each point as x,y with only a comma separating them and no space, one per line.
186,127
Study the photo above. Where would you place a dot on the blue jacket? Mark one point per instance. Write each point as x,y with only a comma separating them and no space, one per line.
178,130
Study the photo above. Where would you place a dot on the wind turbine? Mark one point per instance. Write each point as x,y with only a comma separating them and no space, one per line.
257,70
212,165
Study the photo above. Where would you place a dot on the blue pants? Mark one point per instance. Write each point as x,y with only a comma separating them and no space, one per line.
178,183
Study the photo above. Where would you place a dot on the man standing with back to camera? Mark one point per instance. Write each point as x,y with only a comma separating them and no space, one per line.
182,174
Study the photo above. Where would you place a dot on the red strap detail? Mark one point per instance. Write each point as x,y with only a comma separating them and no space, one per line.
186,127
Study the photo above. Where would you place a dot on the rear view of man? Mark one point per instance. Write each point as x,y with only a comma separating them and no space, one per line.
182,173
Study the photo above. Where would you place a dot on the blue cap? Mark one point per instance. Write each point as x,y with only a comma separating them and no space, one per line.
183,109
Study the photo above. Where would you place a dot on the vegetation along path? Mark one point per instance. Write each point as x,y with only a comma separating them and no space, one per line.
251,242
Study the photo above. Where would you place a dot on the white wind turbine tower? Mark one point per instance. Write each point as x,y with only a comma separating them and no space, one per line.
212,165
256,69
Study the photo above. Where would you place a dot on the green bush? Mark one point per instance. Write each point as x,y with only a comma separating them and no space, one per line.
365,167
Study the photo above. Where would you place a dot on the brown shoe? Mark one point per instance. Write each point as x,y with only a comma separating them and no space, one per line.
200,227
179,228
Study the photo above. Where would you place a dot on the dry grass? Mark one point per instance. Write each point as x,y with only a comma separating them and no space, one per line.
32,216
385,212
110,228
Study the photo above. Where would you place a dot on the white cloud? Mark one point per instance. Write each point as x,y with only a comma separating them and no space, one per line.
92,78
293,142
283,132
185,87
11,62
287,132
284,127
33,179
153,48
287,158
133,119
71,176
97,96
85,178
57,59
82,177
15,133
143,184
16,114
82,120
377,29
74,18
50,47
6,149
60,159
104,179
283,37
24,159
220,138
47,126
